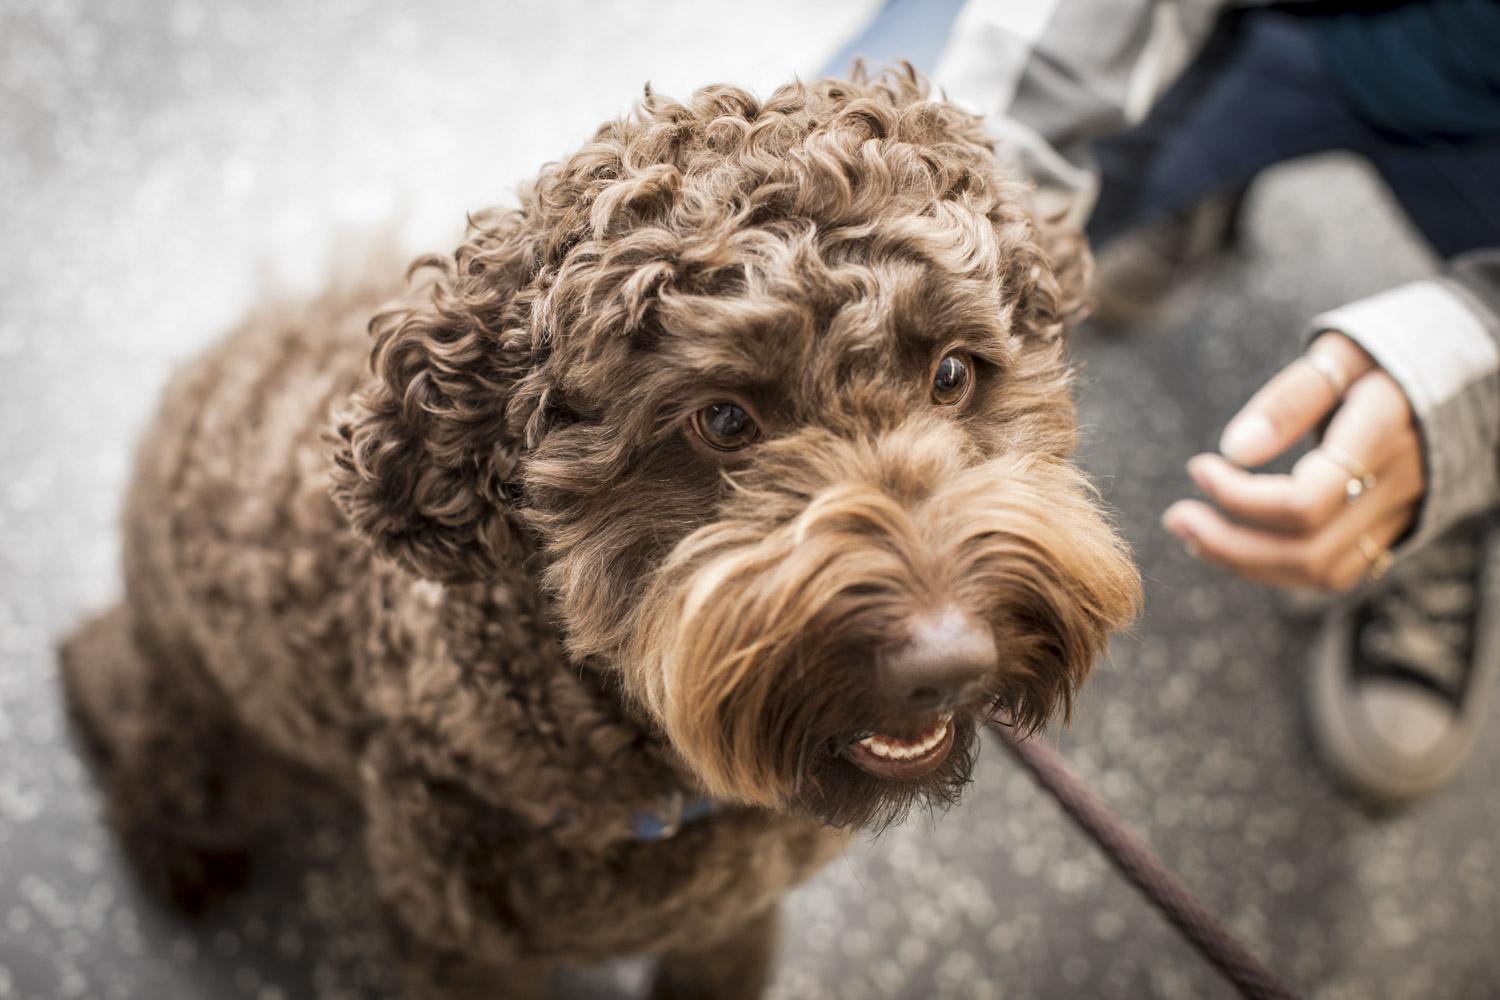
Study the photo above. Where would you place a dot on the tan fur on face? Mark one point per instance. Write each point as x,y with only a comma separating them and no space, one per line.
744,641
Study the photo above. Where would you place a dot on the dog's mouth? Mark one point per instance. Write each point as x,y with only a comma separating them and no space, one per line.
904,758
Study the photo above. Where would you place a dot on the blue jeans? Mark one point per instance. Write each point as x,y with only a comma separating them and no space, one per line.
1260,94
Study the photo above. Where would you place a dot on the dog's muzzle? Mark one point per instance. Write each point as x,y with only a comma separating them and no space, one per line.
863,602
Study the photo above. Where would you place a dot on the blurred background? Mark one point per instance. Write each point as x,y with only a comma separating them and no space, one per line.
162,163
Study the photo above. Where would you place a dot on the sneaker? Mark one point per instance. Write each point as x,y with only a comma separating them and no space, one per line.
1402,676
1151,274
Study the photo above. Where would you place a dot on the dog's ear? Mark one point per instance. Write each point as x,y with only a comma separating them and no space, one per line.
425,455
1067,250
1051,272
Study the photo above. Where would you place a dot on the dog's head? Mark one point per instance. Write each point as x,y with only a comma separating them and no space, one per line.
774,393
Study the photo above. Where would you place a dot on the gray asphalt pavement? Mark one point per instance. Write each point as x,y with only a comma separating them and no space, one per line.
163,163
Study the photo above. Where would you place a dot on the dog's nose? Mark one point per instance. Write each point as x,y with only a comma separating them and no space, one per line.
945,662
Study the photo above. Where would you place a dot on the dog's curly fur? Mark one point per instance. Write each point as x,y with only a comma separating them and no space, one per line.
511,602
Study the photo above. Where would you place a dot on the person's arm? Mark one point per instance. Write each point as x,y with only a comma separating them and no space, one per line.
1420,413
1050,76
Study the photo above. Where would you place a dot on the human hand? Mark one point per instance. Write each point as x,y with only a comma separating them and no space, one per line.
1330,523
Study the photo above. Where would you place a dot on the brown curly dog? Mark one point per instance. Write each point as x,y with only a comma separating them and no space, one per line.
697,511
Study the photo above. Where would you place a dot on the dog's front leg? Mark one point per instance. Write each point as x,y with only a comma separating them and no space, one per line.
735,966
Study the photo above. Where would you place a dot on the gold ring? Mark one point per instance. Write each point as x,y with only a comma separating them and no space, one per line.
1330,370
1377,555
1361,480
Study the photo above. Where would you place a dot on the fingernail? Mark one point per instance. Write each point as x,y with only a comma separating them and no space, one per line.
1181,532
1248,440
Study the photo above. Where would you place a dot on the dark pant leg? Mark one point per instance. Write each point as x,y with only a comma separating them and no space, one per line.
1259,95
1450,191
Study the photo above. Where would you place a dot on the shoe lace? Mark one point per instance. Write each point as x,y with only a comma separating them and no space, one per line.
1420,626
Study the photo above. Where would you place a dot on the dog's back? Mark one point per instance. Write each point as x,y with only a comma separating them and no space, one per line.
235,557
234,634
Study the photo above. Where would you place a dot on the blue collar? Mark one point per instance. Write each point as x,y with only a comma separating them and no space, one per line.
678,813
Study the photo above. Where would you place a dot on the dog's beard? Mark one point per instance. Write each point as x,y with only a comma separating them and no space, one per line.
757,644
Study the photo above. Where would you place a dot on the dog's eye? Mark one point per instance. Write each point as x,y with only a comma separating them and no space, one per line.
951,381
725,426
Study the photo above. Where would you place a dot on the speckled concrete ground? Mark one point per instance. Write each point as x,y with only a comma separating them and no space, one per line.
160,162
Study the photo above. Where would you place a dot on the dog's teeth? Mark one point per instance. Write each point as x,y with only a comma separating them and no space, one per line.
892,749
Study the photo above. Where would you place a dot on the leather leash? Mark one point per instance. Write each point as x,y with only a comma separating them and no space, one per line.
1133,859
